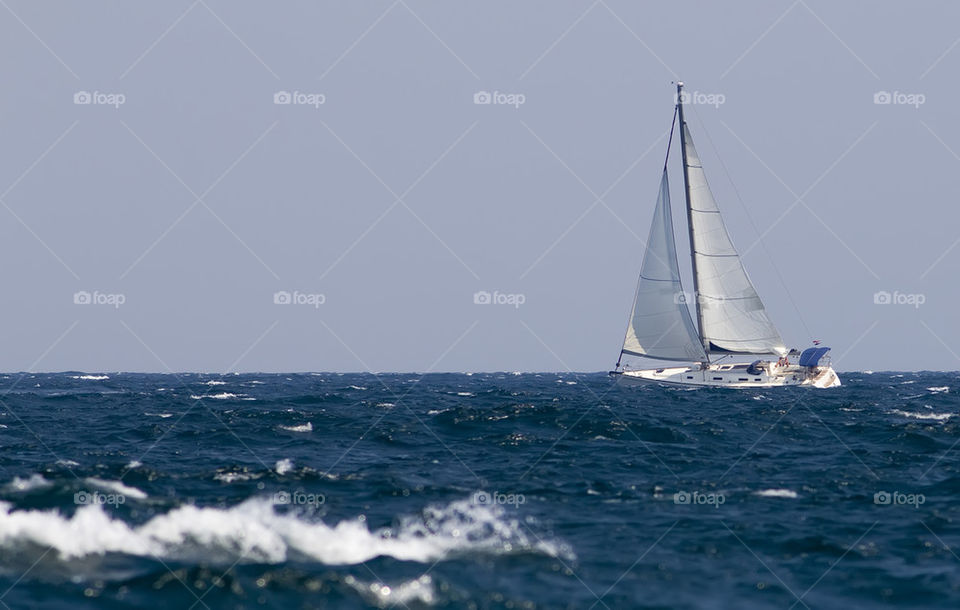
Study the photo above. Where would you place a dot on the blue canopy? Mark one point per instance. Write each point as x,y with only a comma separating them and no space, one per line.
812,355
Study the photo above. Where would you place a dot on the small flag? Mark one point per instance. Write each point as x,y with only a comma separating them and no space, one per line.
816,341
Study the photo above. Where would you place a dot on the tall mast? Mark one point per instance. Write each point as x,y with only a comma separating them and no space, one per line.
686,192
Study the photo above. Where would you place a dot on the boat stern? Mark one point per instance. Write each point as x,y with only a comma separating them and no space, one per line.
824,377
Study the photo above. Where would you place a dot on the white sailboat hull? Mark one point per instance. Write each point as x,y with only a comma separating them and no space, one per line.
734,376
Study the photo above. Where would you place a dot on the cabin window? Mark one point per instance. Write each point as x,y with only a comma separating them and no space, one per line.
689,376
718,378
757,379
743,379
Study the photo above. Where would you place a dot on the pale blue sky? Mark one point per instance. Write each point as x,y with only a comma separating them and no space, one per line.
399,198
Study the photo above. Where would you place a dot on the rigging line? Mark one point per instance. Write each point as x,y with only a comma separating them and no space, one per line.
673,124
763,245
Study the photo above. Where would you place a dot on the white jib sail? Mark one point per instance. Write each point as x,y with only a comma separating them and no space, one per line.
660,325
732,315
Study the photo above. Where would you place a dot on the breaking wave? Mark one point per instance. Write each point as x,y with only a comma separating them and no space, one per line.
254,532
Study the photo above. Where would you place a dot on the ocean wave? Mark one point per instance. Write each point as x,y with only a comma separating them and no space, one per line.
220,396
283,466
231,477
34,481
90,377
931,416
118,487
776,493
307,427
254,532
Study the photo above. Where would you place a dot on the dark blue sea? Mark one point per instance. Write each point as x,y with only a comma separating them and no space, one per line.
476,491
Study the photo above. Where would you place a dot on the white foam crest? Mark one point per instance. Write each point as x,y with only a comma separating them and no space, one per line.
254,532
230,477
776,493
220,396
283,466
91,377
307,427
34,481
215,382
932,416
89,532
118,487
938,389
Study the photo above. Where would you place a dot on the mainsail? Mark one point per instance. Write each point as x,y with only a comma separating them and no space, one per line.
660,325
731,315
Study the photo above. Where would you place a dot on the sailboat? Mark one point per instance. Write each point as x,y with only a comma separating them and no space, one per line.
730,317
